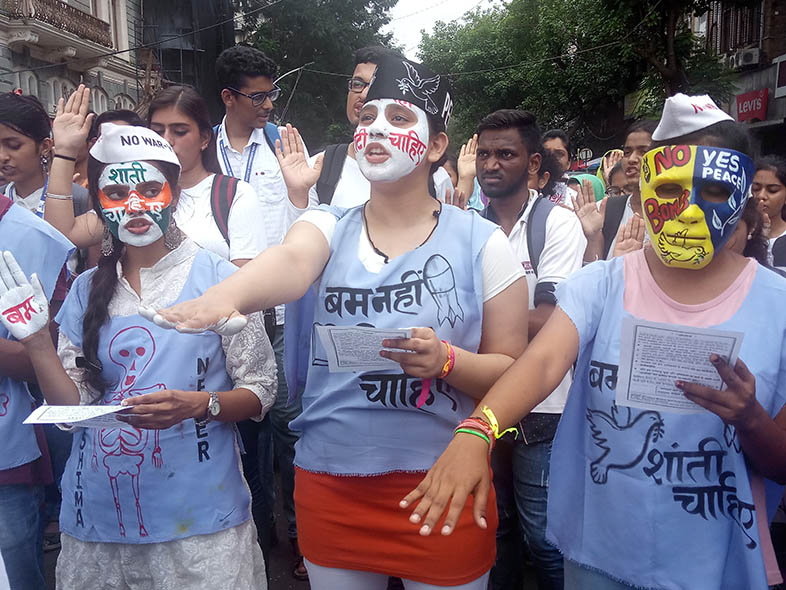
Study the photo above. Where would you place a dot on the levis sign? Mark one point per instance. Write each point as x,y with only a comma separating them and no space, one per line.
752,105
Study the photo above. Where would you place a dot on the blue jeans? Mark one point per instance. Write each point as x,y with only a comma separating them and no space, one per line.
22,535
531,487
282,440
508,567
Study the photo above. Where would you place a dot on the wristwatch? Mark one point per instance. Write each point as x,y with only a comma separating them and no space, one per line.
213,409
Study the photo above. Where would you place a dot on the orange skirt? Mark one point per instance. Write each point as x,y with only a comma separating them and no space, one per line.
355,523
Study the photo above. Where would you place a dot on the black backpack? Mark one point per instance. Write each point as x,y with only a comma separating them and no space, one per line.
222,195
615,209
332,166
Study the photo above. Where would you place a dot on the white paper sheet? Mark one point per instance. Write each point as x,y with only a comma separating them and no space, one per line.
653,356
82,416
356,348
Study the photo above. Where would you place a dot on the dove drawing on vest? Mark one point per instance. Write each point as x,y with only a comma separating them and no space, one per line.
608,432
440,282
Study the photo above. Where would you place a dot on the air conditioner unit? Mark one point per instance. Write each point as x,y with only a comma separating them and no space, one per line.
729,61
747,57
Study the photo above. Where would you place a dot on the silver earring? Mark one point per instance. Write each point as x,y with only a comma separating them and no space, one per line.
44,164
107,243
173,237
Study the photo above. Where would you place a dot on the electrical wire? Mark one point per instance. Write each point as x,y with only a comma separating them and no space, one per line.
147,45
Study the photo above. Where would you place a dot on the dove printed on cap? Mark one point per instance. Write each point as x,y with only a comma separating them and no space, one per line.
401,79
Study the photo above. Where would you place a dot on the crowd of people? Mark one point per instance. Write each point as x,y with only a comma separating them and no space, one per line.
181,270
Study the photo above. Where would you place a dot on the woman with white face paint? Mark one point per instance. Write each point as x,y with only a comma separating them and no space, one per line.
157,500
399,261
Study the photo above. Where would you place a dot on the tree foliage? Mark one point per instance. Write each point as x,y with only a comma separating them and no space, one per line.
327,33
572,62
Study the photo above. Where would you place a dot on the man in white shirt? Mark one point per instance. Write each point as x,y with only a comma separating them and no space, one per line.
508,154
350,188
245,141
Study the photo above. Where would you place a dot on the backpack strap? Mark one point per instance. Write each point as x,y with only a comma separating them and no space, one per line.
615,209
536,229
271,135
332,166
222,194
779,252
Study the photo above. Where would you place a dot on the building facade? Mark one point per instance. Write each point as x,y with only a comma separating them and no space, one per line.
752,41
47,47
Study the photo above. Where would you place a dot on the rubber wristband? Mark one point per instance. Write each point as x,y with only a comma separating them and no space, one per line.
474,432
62,157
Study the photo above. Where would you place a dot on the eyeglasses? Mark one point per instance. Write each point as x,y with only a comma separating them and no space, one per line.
613,191
259,98
357,84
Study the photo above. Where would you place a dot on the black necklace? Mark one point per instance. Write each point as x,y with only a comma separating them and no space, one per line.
380,252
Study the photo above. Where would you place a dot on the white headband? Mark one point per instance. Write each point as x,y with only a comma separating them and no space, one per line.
124,143
683,114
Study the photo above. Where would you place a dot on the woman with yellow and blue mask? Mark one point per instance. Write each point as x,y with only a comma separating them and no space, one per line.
628,506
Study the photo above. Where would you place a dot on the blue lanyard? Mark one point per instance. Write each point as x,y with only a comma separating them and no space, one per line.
39,210
249,164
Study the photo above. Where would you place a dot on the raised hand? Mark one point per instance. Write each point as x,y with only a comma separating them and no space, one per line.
458,199
609,161
586,208
298,175
466,159
72,123
630,237
196,316
24,309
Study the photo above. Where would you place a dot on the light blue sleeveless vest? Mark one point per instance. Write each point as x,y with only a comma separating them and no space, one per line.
658,499
128,485
38,248
377,422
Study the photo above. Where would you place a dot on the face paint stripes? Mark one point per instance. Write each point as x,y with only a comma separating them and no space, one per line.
135,219
386,152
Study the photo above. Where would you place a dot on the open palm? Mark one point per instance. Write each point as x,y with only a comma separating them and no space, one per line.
24,309
298,175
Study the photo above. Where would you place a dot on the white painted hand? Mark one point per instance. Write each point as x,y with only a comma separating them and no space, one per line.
197,322
24,309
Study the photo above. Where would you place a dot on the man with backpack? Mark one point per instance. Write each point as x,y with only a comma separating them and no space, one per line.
246,141
550,244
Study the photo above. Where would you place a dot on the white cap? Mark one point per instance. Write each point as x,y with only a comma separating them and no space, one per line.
683,114
126,143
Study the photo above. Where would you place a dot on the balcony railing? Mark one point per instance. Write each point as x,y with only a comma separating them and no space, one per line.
61,16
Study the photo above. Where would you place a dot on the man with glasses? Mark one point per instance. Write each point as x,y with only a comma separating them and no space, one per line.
245,142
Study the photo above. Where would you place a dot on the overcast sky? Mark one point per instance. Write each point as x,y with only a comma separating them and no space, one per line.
412,16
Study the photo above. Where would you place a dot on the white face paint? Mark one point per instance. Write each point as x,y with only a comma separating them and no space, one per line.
385,152
134,208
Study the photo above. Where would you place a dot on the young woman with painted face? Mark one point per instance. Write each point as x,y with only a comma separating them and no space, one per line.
646,498
159,499
400,260
180,116
769,187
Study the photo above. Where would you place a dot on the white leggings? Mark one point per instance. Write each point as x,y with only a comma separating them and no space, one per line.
328,578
